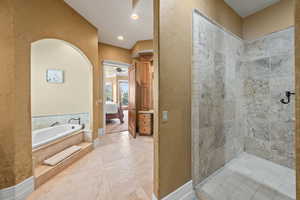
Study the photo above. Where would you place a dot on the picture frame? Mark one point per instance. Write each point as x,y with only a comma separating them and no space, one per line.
55,76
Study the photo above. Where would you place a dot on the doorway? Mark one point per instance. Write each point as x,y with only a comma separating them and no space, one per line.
115,98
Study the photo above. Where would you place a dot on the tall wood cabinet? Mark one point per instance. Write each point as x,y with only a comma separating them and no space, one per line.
145,82
144,93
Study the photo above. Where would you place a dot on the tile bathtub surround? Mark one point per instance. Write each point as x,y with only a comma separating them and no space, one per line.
236,90
48,150
46,121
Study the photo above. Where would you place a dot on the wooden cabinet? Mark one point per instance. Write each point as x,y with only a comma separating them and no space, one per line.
145,83
145,123
144,93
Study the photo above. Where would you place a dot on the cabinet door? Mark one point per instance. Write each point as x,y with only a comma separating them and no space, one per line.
132,100
145,86
145,73
145,97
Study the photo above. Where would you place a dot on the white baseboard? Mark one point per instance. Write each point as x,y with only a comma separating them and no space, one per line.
96,142
185,192
18,192
154,197
101,132
88,135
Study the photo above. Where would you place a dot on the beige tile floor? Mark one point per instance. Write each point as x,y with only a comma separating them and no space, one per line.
249,178
120,168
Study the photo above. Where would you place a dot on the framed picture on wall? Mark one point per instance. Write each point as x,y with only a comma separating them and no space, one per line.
55,76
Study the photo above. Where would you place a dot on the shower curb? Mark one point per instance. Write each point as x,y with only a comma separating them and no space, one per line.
184,192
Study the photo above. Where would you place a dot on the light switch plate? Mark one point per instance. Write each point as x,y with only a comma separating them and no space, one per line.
165,115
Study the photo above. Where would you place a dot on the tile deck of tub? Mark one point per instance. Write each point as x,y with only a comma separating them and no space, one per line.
249,178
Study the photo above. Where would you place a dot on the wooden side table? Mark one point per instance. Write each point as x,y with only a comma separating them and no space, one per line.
145,122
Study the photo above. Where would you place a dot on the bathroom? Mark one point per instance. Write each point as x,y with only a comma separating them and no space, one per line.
243,109
226,101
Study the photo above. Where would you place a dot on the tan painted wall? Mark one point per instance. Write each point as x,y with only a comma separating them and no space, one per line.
70,97
174,51
7,95
274,18
34,20
156,120
142,46
117,54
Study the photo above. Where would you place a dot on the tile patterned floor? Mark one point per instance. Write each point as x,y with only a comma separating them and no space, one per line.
120,168
249,178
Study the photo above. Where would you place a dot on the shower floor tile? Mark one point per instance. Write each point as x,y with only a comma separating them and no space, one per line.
249,178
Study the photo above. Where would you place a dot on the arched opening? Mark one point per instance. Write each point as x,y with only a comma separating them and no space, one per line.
61,82
61,100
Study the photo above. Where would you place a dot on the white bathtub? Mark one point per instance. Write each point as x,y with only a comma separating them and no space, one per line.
47,135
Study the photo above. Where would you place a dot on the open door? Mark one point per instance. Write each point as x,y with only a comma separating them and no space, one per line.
132,100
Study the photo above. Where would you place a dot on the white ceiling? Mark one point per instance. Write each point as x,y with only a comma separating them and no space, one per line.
112,18
247,7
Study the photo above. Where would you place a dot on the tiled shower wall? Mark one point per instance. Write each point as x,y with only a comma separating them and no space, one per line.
265,72
46,121
236,92
214,107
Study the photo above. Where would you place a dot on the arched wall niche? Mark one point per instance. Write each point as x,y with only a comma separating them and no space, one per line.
70,99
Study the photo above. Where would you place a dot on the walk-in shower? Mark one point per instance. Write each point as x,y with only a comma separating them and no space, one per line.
242,116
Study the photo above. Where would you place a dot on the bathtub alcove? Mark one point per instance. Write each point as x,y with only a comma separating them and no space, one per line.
242,135
61,103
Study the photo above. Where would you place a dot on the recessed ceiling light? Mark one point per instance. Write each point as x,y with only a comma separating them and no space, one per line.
134,16
120,37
